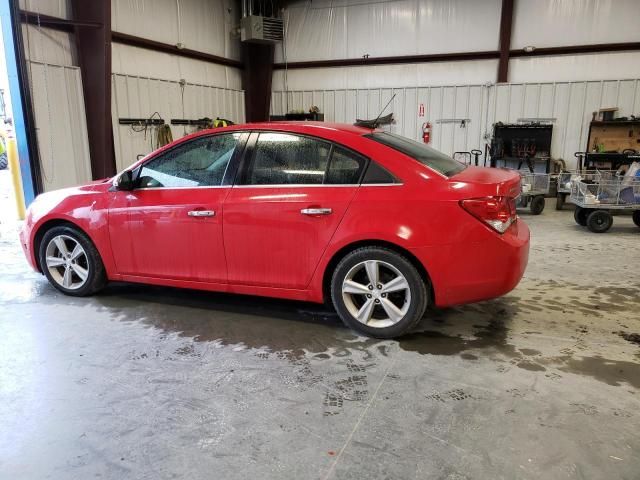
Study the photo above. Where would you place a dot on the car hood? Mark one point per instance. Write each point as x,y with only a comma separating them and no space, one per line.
487,181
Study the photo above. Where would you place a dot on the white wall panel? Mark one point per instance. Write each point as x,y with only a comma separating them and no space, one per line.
336,29
60,125
551,23
49,46
54,8
568,68
330,29
140,97
141,62
202,25
570,103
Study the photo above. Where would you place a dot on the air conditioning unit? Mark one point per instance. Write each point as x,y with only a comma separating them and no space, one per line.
255,28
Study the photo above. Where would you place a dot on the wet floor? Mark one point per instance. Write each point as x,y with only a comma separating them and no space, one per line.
148,382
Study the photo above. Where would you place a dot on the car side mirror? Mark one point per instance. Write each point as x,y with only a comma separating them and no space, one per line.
125,181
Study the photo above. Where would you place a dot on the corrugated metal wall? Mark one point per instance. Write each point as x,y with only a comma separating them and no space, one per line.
61,125
336,29
570,103
140,97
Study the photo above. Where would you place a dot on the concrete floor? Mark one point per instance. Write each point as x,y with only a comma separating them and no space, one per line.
145,382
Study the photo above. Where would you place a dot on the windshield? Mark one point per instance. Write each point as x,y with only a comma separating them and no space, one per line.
428,156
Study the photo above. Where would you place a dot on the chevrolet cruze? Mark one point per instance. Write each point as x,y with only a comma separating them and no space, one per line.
377,224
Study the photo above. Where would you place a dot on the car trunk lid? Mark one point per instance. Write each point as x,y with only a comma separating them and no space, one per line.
480,181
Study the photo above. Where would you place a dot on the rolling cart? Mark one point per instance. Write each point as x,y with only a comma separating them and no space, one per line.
566,178
535,186
595,200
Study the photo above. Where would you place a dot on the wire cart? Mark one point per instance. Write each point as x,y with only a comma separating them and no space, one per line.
534,187
596,200
566,178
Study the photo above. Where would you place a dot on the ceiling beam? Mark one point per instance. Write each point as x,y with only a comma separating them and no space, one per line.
506,23
54,23
404,59
452,57
134,41
578,49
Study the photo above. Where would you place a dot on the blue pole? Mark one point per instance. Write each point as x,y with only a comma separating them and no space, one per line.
17,101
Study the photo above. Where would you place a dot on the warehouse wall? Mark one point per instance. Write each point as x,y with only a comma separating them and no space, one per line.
140,97
58,104
336,29
145,81
569,104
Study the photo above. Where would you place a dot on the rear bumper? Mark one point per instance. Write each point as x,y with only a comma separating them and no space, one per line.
475,271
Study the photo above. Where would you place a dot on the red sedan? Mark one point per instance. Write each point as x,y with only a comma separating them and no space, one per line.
379,224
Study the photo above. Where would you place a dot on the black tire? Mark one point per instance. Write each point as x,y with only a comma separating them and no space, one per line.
599,221
580,216
96,278
560,200
3,161
523,202
417,287
636,217
537,205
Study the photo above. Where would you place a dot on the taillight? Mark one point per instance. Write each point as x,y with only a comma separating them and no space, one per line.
497,212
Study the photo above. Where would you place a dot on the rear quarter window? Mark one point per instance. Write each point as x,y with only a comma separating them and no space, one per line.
424,154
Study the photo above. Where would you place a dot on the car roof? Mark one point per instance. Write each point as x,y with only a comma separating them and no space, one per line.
299,127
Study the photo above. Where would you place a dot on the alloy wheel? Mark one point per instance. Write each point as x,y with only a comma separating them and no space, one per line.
376,294
67,262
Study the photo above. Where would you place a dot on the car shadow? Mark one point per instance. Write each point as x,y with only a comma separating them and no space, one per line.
279,325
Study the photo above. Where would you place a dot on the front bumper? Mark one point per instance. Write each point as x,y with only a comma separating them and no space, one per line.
475,271
27,247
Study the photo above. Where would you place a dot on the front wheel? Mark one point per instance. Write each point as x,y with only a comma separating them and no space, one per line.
580,216
636,217
560,200
537,205
599,221
71,262
378,292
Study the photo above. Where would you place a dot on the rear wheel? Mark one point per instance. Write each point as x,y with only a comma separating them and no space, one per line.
378,292
580,216
523,202
599,221
71,262
636,217
537,205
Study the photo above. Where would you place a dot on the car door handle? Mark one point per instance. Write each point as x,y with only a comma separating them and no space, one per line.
201,213
316,211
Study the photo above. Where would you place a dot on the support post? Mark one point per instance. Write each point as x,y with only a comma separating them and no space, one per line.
256,80
93,40
506,22
22,109
16,179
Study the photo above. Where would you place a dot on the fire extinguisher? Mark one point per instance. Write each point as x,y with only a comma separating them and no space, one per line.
426,132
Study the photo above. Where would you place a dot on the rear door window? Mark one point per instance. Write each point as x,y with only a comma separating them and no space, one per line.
285,159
